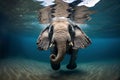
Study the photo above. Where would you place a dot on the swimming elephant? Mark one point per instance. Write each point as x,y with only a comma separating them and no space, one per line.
62,37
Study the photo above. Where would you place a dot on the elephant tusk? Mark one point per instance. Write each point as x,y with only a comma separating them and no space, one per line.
71,44
51,45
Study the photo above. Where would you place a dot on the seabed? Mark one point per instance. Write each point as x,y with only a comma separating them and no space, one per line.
25,69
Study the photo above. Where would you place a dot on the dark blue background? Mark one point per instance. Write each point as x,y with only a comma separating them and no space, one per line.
19,29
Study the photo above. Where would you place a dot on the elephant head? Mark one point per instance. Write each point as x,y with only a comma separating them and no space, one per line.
62,33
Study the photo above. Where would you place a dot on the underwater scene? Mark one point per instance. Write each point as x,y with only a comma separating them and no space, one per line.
20,58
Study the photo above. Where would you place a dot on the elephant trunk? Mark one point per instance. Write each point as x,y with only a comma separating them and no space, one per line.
61,52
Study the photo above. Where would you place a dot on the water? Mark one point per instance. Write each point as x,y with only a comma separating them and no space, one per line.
24,46
19,29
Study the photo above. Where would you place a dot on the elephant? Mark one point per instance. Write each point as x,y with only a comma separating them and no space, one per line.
62,37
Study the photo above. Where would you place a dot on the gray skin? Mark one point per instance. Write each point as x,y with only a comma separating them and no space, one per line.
62,37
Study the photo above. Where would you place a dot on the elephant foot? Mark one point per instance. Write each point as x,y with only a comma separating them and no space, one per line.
55,66
71,66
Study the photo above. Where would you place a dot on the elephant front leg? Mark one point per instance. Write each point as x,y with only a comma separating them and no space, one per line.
73,55
53,65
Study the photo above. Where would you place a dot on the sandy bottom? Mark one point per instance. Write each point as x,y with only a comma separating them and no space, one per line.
24,69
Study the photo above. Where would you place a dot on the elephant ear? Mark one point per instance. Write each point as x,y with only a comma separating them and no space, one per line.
43,40
59,9
45,15
81,14
80,39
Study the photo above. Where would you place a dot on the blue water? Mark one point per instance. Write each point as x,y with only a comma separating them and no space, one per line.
25,47
20,58
18,39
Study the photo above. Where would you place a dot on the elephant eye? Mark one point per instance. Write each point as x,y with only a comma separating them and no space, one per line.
51,28
71,29
50,32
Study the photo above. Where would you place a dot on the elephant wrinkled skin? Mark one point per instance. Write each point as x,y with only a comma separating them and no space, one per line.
62,37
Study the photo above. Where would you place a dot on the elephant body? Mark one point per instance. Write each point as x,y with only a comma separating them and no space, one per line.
62,37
